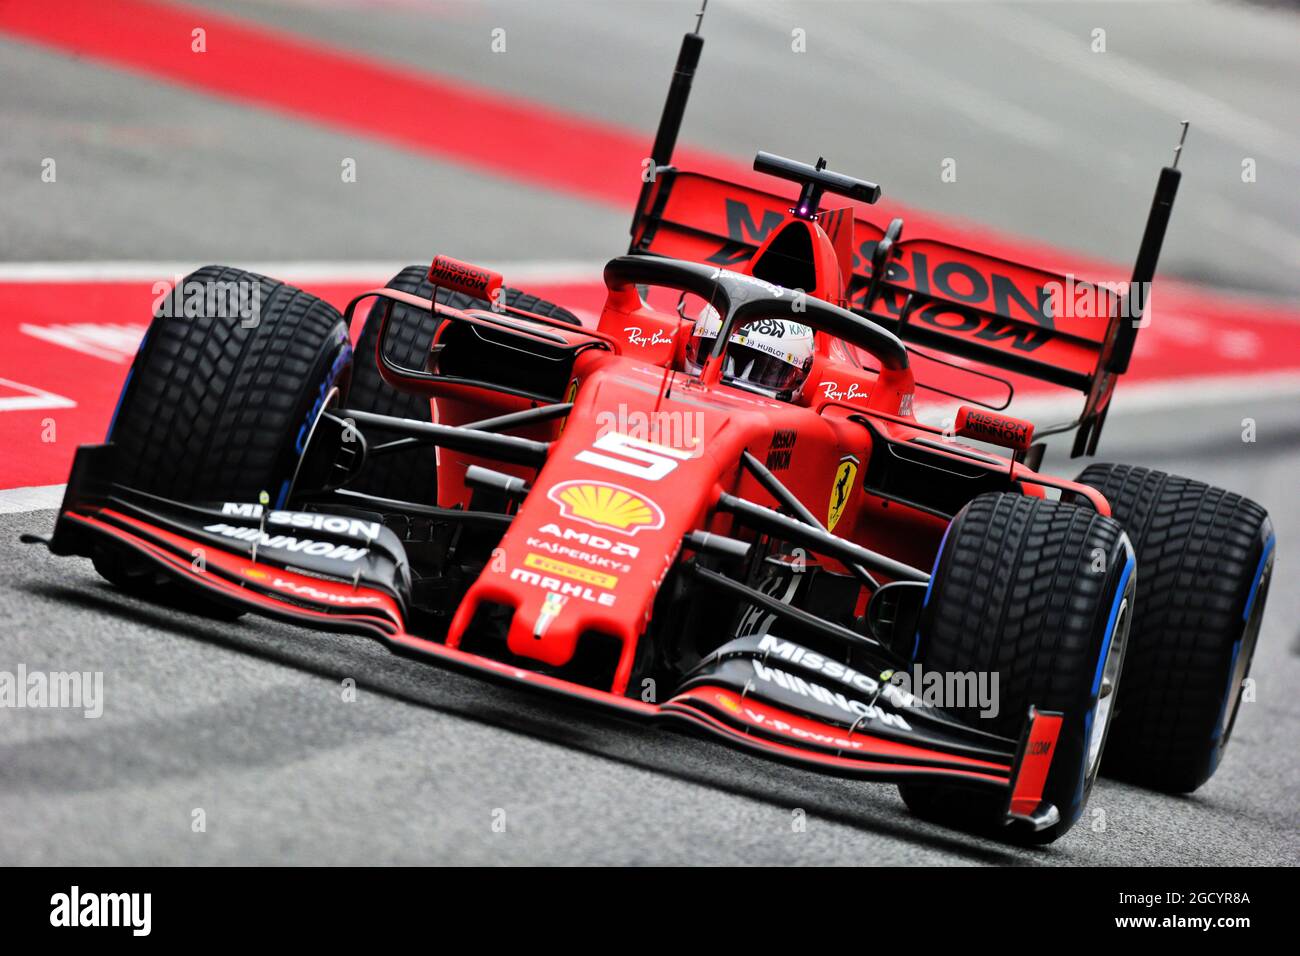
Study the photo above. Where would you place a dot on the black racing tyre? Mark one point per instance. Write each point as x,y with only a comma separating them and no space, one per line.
215,407
222,394
1206,557
1037,593
410,475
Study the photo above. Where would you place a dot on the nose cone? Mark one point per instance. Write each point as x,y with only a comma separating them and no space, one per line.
589,548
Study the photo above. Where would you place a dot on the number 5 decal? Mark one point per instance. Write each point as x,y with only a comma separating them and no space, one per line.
632,456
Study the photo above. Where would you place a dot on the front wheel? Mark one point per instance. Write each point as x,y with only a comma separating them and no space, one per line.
221,397
1207,557
1035,596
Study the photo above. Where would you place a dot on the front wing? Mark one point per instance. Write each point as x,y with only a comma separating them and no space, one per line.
801,711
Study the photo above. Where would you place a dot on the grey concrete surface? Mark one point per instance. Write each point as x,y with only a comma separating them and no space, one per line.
148,171
1051,140
247,722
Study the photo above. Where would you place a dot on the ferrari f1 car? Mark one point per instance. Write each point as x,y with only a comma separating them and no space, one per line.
715,506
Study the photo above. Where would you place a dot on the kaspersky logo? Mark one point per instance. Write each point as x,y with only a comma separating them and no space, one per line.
606,505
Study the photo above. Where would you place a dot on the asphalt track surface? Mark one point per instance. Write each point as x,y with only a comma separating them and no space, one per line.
1050,141
247,721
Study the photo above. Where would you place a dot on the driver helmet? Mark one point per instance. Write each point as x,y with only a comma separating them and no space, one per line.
767,355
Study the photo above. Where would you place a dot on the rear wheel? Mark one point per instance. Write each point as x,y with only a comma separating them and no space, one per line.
1036,594
1206,557
222,394
410,474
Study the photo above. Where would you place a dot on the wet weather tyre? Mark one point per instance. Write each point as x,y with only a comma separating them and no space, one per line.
1206,557
1035,592
222,393
410,474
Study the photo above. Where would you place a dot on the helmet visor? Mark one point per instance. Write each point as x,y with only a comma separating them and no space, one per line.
758,368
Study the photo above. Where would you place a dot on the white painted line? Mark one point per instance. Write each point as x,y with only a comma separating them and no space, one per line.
113,342
36,498
546,270
31,398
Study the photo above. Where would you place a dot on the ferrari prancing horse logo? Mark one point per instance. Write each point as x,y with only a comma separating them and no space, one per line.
842,490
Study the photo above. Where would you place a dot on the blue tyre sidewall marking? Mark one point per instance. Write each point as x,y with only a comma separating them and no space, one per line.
340,362
1259,574
130,373
1219,725
934,571
1122,588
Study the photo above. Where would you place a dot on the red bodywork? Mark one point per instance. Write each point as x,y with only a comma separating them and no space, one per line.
640,462
647,450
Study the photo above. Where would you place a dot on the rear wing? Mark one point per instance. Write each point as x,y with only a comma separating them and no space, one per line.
935,293
1045,325
955,300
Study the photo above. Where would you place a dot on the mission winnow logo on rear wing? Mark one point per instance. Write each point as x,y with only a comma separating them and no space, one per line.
1001,312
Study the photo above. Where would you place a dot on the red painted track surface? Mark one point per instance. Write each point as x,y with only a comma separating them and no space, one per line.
68,345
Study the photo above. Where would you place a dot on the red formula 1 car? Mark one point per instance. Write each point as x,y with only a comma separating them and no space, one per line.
715,508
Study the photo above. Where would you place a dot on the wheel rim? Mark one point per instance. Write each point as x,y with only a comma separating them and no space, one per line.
1104,707
1244,653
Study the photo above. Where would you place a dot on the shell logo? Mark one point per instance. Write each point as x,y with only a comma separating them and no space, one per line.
606,506
729,703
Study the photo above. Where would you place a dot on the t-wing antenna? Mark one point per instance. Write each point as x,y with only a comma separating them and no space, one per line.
1133,308
1144,270
670,120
